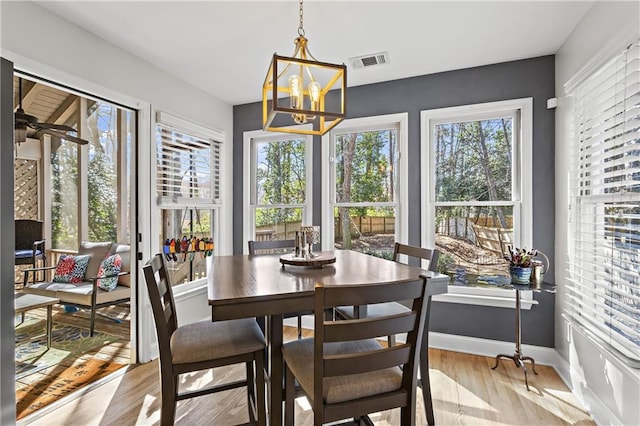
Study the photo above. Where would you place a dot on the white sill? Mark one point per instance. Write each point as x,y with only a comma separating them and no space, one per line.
190,289
499,298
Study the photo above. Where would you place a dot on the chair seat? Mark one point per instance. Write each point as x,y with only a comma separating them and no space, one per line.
206,340
374,311
299,357
79,293
22,254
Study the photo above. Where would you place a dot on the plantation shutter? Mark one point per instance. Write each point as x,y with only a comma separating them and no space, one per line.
188,158
604,260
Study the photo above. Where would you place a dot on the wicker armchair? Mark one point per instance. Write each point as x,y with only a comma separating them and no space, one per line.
29,246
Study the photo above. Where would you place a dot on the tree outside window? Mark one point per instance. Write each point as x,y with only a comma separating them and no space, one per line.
280,187
474,195
365,191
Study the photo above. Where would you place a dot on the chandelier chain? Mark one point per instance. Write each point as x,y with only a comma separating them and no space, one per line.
300,26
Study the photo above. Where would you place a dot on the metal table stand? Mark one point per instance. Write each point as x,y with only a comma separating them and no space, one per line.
517,357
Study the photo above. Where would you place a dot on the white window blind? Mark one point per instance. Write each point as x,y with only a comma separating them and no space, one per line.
188,159
604,260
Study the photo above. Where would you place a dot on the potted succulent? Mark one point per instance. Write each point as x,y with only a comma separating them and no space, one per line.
520,263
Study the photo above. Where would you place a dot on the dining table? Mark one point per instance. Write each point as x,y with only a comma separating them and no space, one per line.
245,286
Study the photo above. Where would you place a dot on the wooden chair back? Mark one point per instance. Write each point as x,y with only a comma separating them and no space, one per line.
270,246
163,307
431,255
404,356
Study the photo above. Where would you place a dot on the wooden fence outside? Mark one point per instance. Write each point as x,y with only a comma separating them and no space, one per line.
359,225
479,231
367,225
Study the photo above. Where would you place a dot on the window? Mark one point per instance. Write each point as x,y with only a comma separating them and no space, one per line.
109,155
363,192
188,193
604,258
279,194
476,190
64,195
89,198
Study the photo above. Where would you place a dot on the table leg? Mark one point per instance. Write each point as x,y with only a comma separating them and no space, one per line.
49,325
517,357
276,367
424,369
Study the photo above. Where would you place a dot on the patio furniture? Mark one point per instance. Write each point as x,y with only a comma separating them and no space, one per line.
200,346
26,302
87,294
30,244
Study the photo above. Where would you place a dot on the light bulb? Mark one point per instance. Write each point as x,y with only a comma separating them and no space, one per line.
295,87
314,94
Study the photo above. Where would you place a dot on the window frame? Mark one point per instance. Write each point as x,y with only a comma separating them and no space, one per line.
123,187
250,141
365,124
522,188
214,204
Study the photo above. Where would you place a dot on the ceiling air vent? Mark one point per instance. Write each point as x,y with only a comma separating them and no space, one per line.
367,61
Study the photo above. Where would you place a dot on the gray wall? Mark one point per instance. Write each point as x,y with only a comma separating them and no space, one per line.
7,230
510,80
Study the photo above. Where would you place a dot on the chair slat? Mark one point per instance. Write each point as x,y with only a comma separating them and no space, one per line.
367,328
365,362
269,246
342,295
432,255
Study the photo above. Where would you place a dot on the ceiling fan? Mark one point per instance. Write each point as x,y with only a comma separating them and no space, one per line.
24,121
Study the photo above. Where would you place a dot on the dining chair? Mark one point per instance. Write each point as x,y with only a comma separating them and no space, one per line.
343,370
274,247
200,346
271,246
383,309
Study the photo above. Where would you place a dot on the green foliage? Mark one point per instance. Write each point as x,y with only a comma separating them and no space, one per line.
445,260
384,254
102,193
281,179
473,160
473,163
64,196
101,174
364,168
103,199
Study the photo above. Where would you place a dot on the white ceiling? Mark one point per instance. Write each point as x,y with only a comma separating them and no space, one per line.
224,47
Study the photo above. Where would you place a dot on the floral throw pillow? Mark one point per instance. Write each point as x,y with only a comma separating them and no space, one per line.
111,265
71,269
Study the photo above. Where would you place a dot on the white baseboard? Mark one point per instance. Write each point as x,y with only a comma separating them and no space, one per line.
490,348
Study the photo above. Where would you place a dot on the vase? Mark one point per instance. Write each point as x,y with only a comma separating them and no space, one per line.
520,275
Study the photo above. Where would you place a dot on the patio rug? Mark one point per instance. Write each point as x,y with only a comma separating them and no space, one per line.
67,343
61,382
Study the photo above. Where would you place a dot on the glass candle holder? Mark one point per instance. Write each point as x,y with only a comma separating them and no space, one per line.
313,237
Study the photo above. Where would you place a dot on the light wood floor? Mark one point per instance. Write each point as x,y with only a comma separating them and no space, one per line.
465,392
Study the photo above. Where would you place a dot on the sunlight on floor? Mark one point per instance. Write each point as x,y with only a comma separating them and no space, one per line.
143,417
469,397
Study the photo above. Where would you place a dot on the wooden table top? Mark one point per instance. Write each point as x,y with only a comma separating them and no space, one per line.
239,278
26,302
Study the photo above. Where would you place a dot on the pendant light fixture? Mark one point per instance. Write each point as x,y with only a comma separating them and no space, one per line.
300,89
